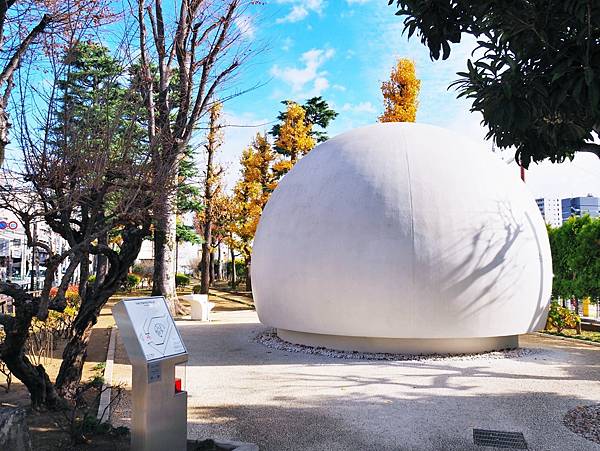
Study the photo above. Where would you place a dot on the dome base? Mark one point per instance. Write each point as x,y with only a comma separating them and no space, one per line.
416,346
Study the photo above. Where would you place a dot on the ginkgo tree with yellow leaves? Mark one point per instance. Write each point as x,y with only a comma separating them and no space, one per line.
251,194
294,139
400,93
263,165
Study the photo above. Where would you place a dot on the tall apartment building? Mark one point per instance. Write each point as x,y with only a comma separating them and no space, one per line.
579,206
551,211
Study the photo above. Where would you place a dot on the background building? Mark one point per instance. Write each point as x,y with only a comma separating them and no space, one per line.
579,206
17,261
551,210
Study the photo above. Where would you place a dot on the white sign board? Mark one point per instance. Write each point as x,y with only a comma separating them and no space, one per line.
154,327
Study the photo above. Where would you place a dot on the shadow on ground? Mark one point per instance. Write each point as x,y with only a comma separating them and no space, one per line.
387,423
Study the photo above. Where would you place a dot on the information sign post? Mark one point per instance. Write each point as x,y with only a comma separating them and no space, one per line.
154,347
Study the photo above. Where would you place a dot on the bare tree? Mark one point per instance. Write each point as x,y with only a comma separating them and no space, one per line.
197,55
86,172
211,187
23,23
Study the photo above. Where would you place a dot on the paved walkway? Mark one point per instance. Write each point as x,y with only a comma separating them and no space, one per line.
241,390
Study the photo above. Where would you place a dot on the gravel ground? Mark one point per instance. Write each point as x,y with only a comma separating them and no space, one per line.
585,420
281,399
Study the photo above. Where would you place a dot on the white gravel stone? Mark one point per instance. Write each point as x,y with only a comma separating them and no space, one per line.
270,339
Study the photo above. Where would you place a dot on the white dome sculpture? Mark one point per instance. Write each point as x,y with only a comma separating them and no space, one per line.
402,237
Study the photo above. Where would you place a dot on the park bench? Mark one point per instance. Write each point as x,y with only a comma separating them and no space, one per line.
201,307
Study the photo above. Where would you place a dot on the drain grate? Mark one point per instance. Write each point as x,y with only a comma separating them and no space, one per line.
499,439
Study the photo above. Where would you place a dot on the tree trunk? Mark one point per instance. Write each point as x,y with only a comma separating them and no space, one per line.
176,255
12,352
101,263
84,274
248,276
233,274
212,267
75,352
34,377
219,263
4,127
32,276
164,250
205,262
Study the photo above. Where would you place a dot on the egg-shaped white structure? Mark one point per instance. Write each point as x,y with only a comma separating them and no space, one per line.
402,237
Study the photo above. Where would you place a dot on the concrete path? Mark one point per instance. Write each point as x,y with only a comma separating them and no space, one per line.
241,390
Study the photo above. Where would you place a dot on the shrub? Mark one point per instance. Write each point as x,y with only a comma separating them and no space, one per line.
59,324
181,280
145,269
240,269
43,335
132,281
561,318
196,289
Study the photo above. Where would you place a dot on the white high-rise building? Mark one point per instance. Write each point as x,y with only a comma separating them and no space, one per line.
551,211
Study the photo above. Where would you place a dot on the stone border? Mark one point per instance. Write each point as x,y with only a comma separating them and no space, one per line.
106,396
270,339
574,340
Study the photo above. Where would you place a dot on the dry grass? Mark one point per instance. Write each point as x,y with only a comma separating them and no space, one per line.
571,333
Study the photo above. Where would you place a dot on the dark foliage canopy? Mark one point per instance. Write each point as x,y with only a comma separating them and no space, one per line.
576,258
318,113
535,74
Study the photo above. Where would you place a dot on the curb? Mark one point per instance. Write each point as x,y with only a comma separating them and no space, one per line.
229,445
105,397
574,340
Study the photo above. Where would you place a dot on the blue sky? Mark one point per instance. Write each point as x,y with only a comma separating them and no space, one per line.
341,50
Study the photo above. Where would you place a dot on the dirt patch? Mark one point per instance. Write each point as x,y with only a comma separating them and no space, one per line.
49,433
585,421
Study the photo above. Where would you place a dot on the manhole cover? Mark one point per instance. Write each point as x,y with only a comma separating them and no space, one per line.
499,439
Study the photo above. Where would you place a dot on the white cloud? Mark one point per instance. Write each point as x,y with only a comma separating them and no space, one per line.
245,25
362,107
321,84
301,9
287,44
357,2
341,88
307,78
297,13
